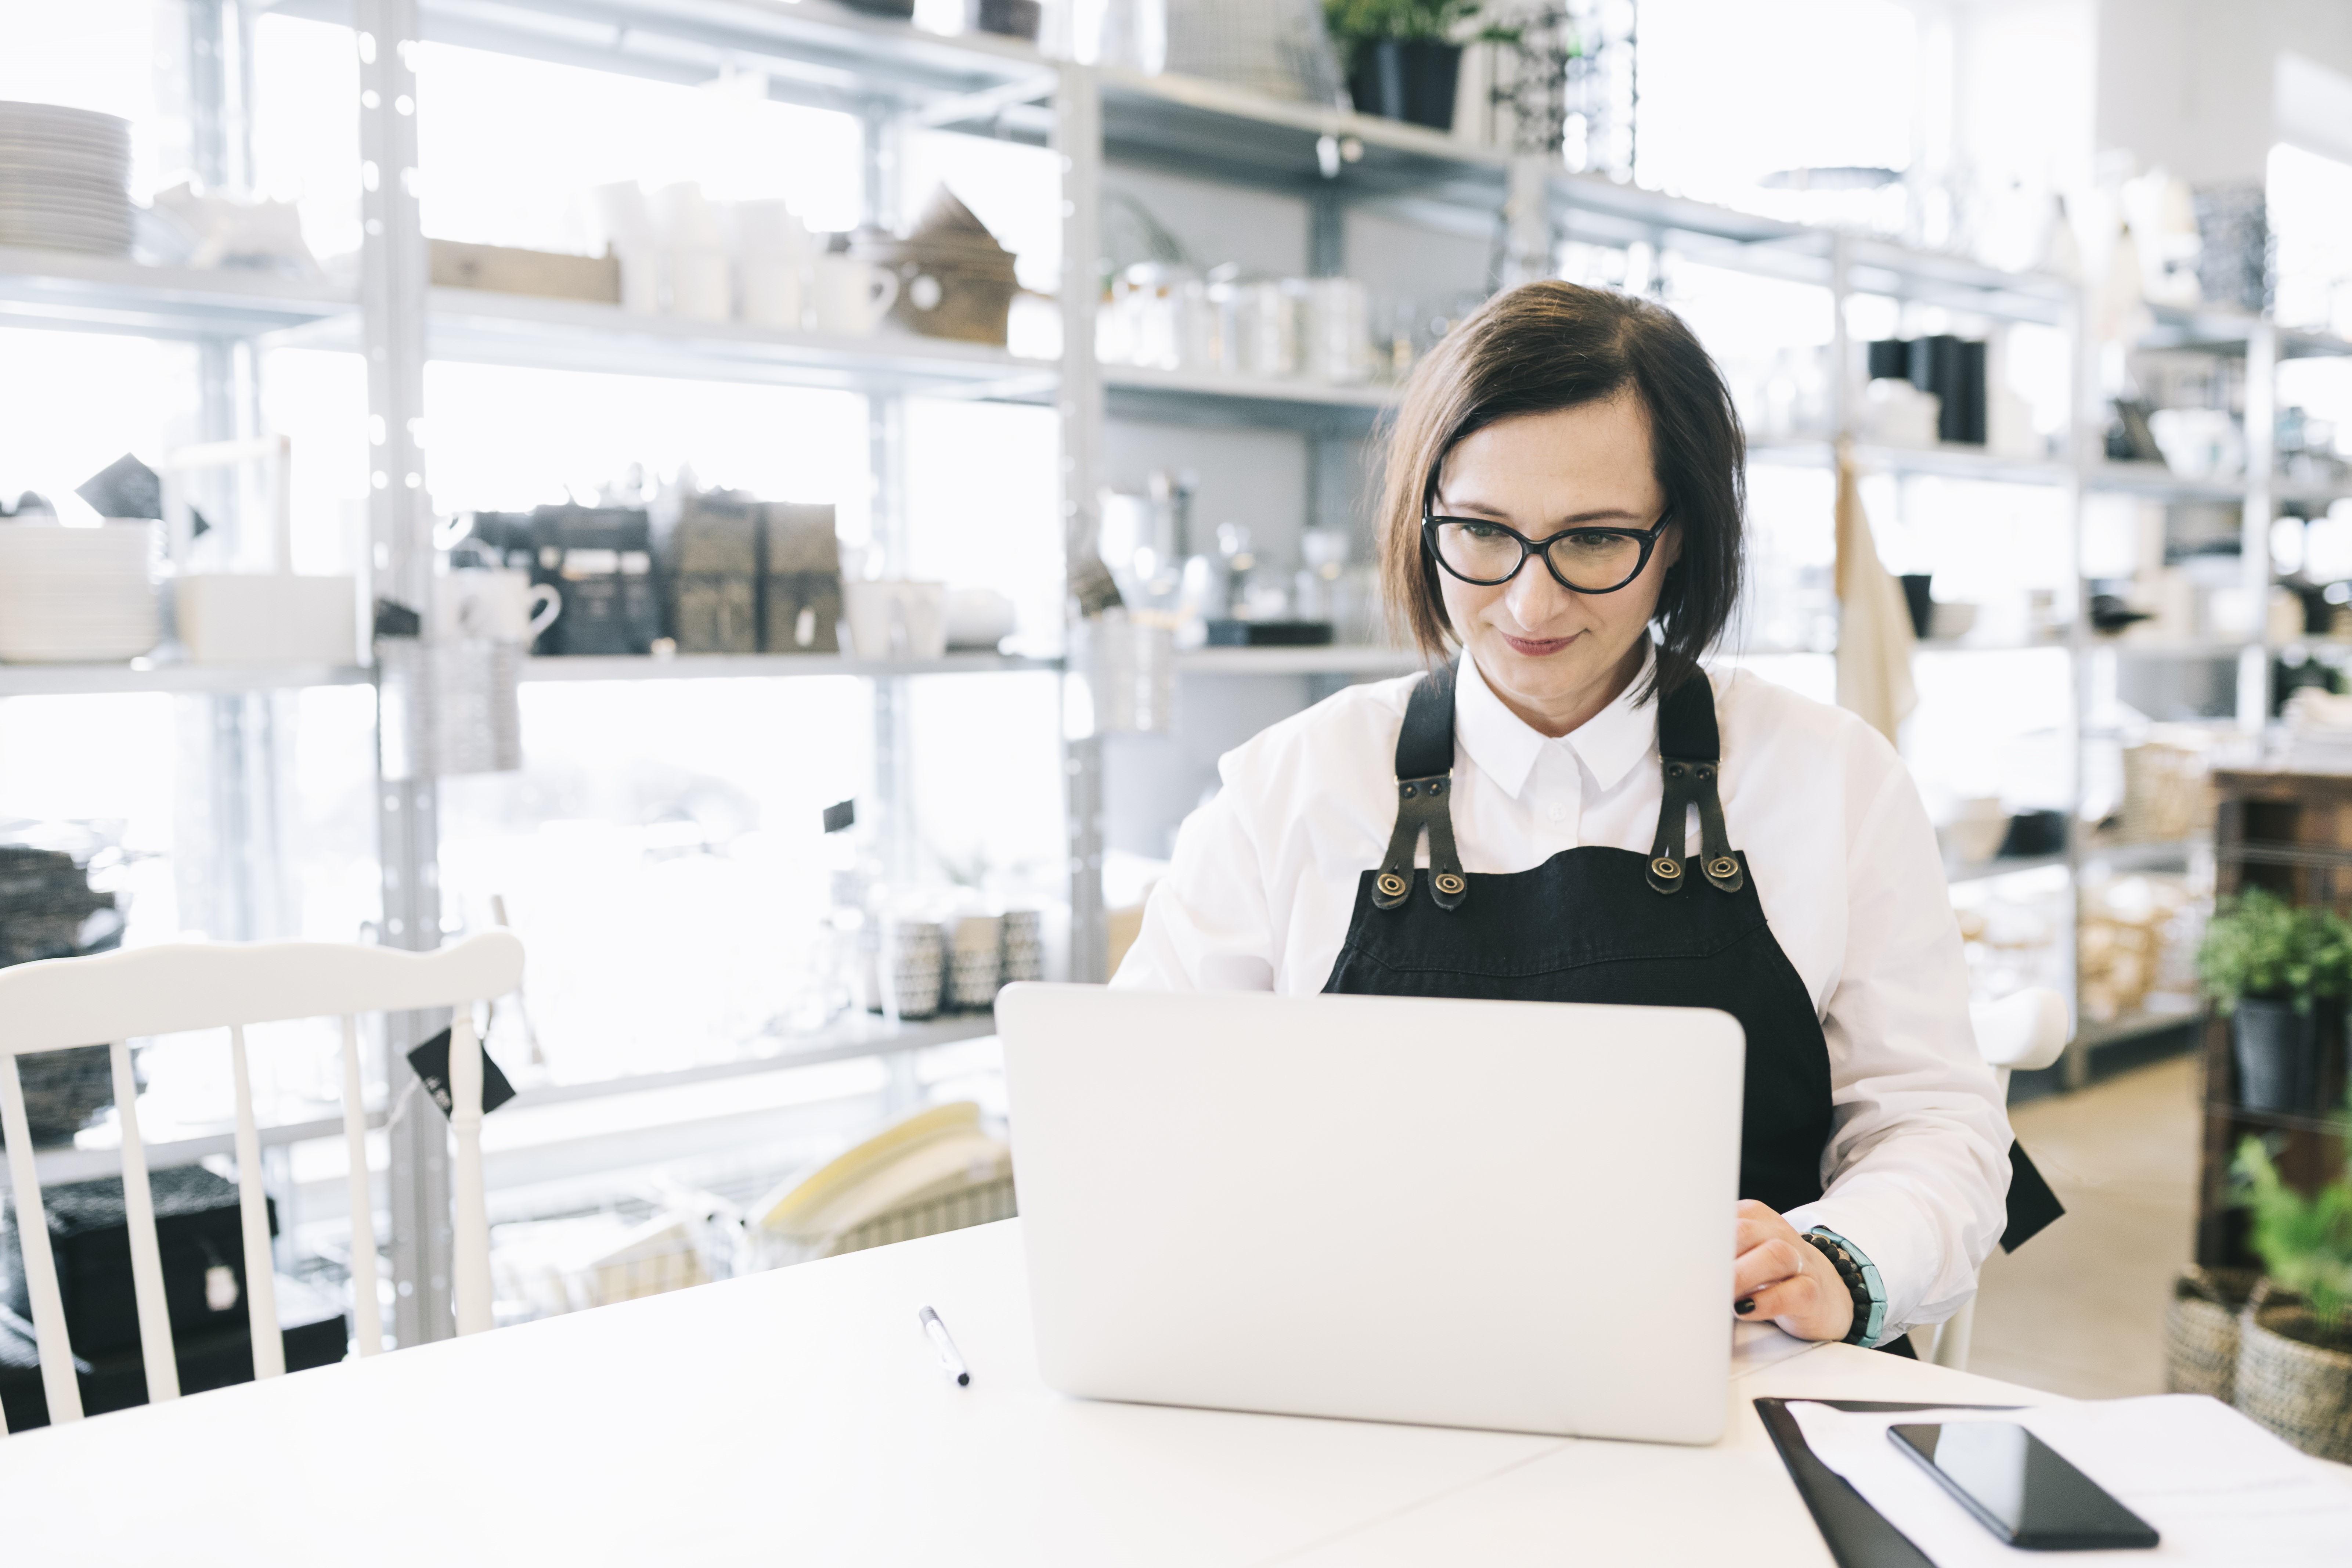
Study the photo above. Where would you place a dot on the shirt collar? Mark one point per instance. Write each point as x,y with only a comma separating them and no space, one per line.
1505,749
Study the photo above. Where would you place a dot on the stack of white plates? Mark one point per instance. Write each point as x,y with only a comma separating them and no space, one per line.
75,595
65,176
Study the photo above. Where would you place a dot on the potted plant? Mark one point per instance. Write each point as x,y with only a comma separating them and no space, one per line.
2294,1348
2264,964
1400,56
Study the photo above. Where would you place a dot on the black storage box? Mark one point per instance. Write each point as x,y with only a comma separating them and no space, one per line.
310,1322
197,1230
601,560
1269,634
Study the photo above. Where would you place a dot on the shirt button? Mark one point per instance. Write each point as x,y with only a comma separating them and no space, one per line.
1556,811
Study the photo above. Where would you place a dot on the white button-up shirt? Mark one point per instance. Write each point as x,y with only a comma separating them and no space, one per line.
1265,875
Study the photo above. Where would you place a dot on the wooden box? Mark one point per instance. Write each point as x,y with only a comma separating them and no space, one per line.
502,270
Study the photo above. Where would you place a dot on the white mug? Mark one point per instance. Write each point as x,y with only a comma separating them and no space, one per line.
895,619
493,602
771,251
850,296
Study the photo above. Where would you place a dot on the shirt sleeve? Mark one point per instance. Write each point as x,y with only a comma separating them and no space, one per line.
1207,925
1916,1168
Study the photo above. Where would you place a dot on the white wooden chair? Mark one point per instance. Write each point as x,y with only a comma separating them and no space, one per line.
117,996
2020,1032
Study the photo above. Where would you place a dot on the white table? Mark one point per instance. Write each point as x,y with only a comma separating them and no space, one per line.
799,1416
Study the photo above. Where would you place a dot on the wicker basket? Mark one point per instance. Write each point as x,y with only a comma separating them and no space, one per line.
2298,1390
2201,1329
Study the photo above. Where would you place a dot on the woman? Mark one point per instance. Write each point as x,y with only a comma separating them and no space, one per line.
1563,502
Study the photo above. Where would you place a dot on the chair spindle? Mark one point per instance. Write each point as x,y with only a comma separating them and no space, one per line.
33,1244
470,1280
253,1210
367,1312
146,1252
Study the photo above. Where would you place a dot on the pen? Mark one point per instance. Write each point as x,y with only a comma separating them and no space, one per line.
945,1346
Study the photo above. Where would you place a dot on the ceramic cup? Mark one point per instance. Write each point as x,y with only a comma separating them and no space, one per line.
892,619
493,602
849,297
770,256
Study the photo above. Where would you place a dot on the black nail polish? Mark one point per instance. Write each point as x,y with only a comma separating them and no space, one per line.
1744,1308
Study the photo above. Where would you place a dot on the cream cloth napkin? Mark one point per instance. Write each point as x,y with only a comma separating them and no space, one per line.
1874,639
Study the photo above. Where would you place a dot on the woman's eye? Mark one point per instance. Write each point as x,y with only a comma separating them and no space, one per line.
1485,530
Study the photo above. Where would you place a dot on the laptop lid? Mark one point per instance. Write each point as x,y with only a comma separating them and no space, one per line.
1506,1214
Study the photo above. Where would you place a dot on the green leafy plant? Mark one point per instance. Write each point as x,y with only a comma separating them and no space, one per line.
2259,946
1352,24
2304,1243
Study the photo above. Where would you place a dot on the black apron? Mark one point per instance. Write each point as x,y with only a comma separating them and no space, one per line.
1595,924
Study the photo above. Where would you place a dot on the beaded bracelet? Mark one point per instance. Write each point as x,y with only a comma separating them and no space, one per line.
1867,1305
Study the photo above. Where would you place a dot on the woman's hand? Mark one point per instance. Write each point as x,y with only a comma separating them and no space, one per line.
1781,1276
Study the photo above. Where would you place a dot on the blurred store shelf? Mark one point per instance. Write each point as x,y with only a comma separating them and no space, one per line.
1951,461
79,679
1198,397
814,53
767,665
1337,660
69,289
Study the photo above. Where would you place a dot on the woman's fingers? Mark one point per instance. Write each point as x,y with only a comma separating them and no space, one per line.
1765,1265
1778,1276
1797,1298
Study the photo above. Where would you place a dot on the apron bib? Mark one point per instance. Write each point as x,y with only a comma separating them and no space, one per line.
1595,924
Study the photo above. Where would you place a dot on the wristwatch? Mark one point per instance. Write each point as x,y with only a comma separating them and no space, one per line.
1862,1281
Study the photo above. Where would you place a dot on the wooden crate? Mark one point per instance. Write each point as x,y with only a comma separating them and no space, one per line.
501,269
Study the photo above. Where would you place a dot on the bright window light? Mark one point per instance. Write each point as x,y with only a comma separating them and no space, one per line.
508,146
1734,90
2310,200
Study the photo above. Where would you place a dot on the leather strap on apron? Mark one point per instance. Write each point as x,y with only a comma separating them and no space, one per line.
1424,770
1691,753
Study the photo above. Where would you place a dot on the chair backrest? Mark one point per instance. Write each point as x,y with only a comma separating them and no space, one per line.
116,997
2023,1032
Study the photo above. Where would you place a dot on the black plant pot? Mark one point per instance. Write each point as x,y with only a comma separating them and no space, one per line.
2277,1050
1410,79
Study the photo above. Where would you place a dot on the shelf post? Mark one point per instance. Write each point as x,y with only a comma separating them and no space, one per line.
2254,522
2082,382
1077,141
888,539
1527,209
394,277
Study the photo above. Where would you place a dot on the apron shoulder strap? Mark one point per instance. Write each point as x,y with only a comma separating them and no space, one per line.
1424,767
1690,754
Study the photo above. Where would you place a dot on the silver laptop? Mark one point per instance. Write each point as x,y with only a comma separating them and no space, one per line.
1506,1214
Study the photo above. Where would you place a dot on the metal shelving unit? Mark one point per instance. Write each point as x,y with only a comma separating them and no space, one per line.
87,679
1190,398
1376,662
771,667
475,327
68,291
894,79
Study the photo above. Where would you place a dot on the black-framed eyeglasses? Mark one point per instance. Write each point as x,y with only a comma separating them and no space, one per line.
1582,560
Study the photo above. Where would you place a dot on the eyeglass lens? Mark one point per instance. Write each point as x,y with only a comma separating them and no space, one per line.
1488,553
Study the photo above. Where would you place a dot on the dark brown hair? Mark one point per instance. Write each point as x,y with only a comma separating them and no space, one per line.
1552,345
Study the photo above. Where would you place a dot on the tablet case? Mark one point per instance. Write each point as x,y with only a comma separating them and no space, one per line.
1858,1534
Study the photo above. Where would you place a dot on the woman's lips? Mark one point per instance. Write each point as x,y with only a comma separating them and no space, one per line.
1537,647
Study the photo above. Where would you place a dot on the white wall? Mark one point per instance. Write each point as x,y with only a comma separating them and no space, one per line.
2191,84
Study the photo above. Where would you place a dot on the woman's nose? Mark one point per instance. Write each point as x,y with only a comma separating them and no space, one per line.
1535,596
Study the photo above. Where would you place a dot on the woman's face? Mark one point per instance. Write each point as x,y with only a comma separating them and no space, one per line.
1554,657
